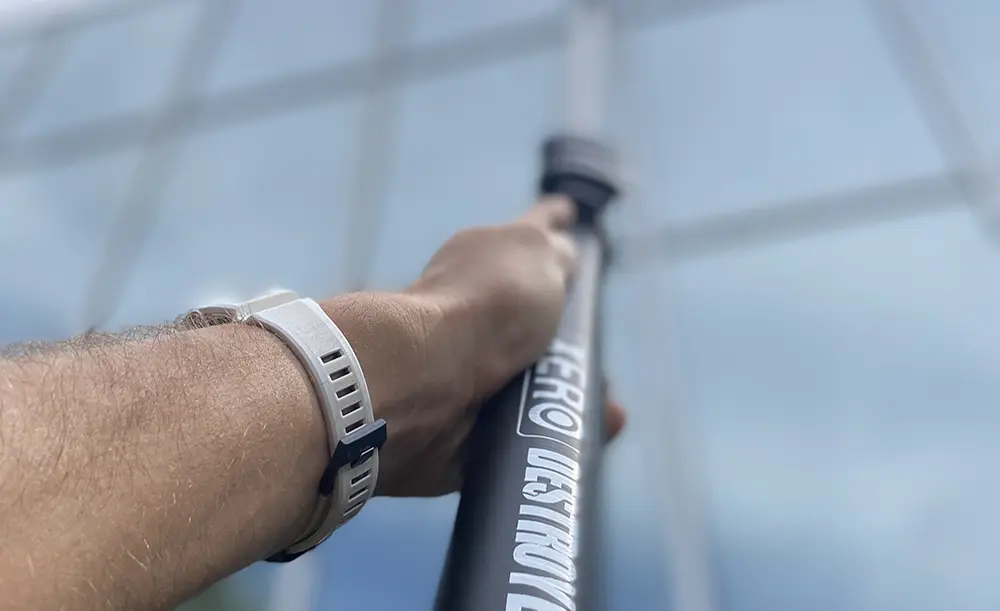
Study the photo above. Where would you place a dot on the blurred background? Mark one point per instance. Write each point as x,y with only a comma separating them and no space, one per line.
803,312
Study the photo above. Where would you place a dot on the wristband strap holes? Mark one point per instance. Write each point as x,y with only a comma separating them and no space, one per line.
350,428
350,409
343,392
331,356
360,478
364,457
353,510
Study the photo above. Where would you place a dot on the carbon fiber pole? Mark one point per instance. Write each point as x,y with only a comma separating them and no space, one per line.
525,536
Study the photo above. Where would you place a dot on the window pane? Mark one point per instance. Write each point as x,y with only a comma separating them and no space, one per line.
273,39
467,153
742,106
406,538
12,54
962,38
633,525
843,392
53,227
114,66
250,208
442,19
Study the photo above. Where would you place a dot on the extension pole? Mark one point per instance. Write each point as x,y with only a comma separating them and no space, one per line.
525,536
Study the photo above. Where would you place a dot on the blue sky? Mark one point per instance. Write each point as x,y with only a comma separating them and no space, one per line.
835,395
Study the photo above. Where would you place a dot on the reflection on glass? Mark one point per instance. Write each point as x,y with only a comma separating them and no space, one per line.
12,54
250,208
844,390
114,66
964,45
274,39
467,153
52,230
775,100
632,512
442,19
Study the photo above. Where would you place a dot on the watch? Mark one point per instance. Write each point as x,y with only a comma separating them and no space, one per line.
353,433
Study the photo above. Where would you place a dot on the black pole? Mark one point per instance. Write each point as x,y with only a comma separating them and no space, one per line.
525,534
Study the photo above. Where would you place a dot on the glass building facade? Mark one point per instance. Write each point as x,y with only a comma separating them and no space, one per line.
802,319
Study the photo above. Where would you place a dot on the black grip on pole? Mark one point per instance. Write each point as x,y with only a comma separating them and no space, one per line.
524,536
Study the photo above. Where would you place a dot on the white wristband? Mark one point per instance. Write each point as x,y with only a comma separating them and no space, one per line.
353,434
352,431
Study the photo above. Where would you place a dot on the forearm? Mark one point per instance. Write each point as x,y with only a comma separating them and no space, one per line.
133,474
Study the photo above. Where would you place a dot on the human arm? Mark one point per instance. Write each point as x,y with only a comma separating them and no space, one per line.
134,473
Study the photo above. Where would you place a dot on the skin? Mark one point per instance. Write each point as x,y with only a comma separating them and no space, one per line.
137,471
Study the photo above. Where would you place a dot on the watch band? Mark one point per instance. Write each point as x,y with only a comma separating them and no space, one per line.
353,433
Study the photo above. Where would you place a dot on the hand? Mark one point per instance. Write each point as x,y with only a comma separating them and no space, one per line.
490,301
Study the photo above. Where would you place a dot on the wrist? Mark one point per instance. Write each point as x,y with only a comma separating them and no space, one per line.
401,342
471,336
385,332
295,429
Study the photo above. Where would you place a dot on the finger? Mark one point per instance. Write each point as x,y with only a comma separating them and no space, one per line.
565,249
614,420
551,212
614,414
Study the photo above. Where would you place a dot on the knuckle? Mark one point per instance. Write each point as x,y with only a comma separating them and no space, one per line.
471,235
530,236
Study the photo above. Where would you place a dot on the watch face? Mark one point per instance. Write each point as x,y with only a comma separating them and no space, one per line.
208,316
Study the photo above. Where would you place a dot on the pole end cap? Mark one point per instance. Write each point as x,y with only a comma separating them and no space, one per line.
582,168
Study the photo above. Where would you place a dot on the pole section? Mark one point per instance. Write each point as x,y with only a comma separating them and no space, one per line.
525,534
